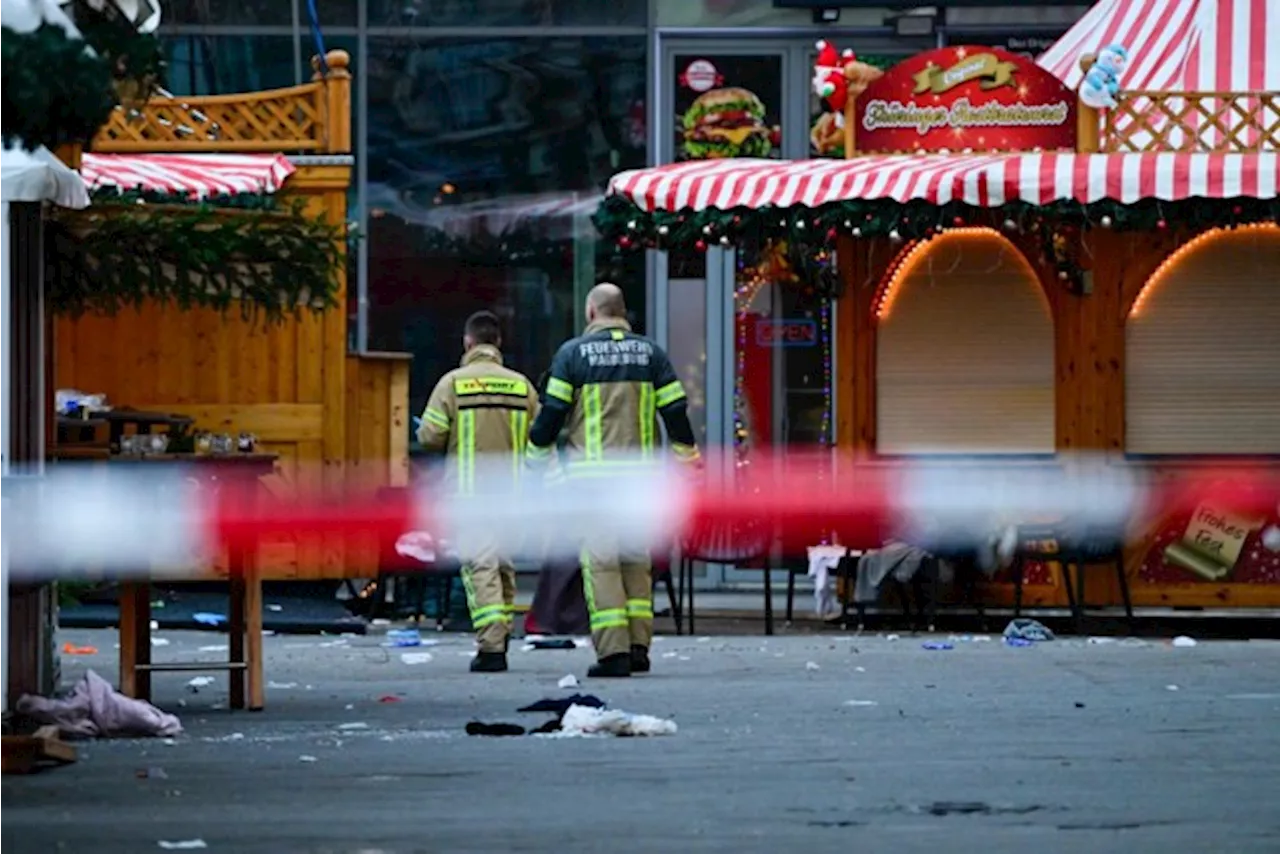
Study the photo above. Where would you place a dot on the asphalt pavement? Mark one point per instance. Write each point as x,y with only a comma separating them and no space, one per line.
815,743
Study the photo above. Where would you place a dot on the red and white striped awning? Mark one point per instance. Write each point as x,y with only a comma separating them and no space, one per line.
983,180
1178,45
1226,46
195,175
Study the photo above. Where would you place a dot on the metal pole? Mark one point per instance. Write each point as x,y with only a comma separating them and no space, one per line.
298,79
362,177
5,450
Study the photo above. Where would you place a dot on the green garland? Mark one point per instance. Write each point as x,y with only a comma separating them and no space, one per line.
55,89
117,255
143,196
809,232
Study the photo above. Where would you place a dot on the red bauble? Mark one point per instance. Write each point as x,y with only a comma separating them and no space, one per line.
832,234
1237,210
958,221
701,246
624,242
1161,224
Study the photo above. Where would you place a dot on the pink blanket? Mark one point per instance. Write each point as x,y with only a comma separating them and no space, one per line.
94,709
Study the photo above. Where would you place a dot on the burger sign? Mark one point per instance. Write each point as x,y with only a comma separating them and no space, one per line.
726,122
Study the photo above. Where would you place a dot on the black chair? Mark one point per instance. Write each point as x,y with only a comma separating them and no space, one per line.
662,575
411,576
745,544
1075,548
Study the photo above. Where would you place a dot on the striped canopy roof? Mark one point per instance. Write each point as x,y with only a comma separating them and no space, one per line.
1179,45
196,176
1173,45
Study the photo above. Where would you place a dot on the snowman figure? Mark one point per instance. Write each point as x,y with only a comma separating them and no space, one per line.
1102,79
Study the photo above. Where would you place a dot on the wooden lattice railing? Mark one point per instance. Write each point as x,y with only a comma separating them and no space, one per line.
1193,121
313,117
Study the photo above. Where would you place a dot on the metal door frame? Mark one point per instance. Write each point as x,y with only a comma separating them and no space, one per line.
795,50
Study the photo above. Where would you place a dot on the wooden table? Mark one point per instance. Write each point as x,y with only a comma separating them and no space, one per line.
244,618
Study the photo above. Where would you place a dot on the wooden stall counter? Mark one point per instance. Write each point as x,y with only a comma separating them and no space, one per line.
244,614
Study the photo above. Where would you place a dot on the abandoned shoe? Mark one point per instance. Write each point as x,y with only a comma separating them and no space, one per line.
640,659
611,666
489,662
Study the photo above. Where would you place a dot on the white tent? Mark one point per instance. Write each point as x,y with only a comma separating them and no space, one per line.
27,179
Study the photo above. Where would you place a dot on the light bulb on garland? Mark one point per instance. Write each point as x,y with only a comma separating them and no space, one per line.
1106,221
1010,225
895,236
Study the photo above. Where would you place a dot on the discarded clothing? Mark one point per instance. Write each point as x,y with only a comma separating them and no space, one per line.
553,643
898,561
1027,630
560,705
582,721
481,728
94,709
823,560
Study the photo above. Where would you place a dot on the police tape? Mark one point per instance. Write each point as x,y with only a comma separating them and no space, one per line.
139,520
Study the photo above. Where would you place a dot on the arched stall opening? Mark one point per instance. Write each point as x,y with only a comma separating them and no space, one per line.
1202,383
964,350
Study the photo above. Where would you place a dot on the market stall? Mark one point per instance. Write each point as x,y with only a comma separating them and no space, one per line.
1022,260
260,176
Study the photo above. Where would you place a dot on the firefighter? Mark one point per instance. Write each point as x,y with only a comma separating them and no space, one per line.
609,386
482,409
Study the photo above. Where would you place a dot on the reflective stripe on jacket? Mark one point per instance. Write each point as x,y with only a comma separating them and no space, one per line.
608,387
479,409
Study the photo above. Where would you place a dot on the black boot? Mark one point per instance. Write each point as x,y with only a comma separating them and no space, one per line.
640,659
489,662
611,667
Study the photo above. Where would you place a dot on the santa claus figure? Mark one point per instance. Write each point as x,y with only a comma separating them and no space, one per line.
839,76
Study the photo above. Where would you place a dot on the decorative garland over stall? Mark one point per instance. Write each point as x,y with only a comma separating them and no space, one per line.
812,231
248,251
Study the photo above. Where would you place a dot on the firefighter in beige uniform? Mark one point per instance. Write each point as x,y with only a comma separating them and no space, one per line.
608,387
482,409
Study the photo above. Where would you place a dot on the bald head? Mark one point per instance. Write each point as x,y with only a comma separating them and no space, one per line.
605,300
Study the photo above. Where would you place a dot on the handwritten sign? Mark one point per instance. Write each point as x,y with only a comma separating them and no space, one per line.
1218,534
787,333
966,98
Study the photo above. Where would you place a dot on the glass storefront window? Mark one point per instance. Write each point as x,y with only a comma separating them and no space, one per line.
487,159
262,13
507,13
220,65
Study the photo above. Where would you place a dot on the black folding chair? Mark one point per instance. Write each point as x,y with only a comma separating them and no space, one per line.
1074,548
745,545
662,575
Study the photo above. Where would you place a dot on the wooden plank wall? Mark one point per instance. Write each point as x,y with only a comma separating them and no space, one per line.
291,384
1089,356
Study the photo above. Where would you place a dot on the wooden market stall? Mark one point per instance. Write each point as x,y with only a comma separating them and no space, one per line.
337,422
1032,260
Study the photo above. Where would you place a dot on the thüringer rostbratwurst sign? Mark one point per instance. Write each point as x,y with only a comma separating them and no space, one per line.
958,99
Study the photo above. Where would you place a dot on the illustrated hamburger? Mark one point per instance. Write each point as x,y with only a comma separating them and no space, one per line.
726,122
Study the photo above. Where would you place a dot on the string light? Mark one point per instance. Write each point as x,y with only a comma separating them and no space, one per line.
1176,257
907,260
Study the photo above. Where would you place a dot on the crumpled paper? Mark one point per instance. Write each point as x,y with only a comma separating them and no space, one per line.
583,720
94,709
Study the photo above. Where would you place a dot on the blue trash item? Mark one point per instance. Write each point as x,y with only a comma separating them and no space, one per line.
1029,630
936,645
205,618
403,637
1011,641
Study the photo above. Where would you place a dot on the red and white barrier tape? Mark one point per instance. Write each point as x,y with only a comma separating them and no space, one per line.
139,519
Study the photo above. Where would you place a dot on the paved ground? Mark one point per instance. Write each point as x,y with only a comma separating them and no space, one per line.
806,743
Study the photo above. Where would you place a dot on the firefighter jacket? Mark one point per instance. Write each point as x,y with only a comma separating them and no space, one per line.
607,389
480,408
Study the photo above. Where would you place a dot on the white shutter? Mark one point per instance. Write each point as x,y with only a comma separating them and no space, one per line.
964,353
1202,351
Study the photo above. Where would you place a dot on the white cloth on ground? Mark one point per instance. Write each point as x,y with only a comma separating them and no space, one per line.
584,720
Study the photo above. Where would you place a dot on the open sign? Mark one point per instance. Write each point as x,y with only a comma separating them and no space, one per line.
787,333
